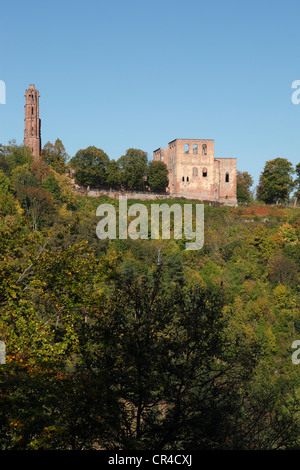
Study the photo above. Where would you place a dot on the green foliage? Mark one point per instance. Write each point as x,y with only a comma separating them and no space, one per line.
8,204
244,183
140,344
5,184
133,167
55,156
275,182
38,205
113,174
90,166
22,176
17,155
52,185
158,176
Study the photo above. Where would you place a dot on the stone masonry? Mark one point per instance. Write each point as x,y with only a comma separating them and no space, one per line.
195,173
32,132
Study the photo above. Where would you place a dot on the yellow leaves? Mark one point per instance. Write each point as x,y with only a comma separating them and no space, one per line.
271,338
277,239
194,279
64,212
280,295
19,210
67,194
109,263
260,307
288,234
283,297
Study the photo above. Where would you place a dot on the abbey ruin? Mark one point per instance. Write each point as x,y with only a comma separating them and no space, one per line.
195,173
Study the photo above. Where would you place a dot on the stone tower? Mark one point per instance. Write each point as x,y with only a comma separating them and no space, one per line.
32,133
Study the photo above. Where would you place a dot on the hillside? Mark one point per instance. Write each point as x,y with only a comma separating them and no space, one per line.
142,344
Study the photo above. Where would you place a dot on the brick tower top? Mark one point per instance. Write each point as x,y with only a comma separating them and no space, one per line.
32,131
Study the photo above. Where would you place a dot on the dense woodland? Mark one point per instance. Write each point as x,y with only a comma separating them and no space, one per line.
141,344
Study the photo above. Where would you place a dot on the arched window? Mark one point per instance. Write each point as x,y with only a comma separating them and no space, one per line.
204,149
186,148
183,178
195,149
195,172
187,178
227,178
204,172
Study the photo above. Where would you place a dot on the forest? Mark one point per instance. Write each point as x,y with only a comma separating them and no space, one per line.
141,344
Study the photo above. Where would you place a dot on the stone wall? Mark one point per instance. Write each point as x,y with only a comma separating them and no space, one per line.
195,173
147,196
116,194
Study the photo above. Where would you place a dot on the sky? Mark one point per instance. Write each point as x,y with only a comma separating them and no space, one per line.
121,74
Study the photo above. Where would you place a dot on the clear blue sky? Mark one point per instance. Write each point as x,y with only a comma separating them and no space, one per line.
120,74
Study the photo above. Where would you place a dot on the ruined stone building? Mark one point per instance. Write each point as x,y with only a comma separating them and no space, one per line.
32,132
195,173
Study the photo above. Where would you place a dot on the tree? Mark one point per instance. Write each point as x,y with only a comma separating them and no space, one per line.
22,176
133,166
55,156
43,323
158,176
17,155
283,270
5,184
113,174
38,204
112,346
52,185
244,183
275,182
162,339
40,170
90,167
3,160
8,204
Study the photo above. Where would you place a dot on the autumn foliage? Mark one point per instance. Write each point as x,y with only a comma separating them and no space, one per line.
141,344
